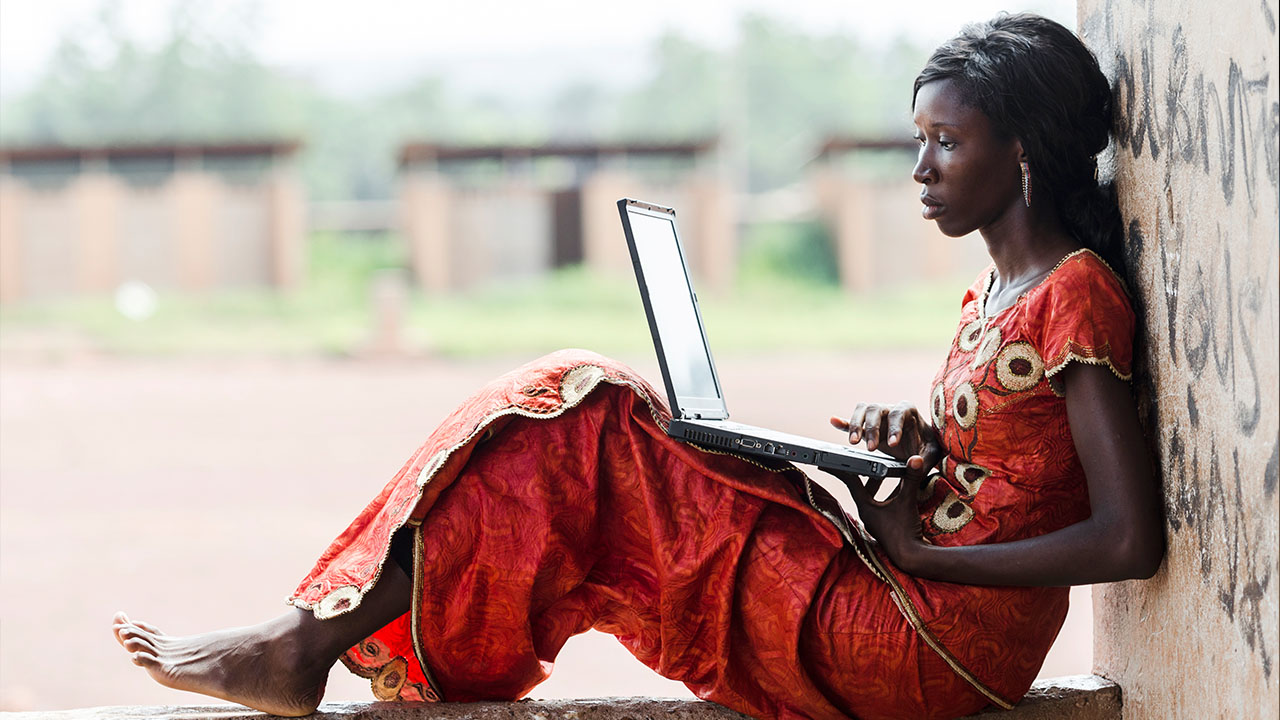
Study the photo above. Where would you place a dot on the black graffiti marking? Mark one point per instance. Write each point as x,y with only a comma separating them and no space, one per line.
1249,414
1197,333
1218,125
1170,286
1224,353
1251,592
1181,133
1252,595
1269,475
1209,511
1245,127
1181,502
1239,92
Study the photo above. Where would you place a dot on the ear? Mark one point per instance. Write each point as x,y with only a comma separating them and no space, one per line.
1017,148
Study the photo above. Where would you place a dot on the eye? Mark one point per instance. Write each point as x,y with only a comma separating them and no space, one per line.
947,145
918,138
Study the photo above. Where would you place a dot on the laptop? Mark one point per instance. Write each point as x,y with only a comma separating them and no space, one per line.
699,414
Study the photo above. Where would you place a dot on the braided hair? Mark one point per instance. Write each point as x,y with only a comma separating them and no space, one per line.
1036,81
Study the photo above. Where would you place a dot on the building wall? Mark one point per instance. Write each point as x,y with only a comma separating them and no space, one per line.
1196,167
462,238
192,231
877,234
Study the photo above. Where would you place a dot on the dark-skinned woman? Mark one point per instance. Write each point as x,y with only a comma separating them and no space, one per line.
553,502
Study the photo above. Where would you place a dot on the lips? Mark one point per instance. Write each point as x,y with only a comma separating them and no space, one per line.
933,208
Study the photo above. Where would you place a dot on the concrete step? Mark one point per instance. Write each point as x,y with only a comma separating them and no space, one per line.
1075,697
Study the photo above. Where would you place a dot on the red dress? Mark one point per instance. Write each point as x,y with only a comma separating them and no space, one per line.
553,502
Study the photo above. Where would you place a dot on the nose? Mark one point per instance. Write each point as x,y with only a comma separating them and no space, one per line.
924,173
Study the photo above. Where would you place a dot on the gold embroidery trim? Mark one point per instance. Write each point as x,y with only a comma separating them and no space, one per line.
1087,360
415,613
913,616
991,280
443,457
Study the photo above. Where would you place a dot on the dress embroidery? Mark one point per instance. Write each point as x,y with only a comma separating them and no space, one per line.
1001,412
598,519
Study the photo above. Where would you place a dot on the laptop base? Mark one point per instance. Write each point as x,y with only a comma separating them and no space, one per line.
748,440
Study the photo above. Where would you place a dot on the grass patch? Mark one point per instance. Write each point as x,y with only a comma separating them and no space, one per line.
786,299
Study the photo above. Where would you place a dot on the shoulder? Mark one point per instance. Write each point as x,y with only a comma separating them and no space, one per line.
1085,287
1084,314
1084,276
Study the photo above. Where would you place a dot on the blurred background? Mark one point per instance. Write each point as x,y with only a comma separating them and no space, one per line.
250,252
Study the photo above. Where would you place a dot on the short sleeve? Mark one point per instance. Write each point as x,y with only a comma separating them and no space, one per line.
1086,317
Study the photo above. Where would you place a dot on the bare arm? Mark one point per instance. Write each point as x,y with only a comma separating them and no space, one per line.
1122,538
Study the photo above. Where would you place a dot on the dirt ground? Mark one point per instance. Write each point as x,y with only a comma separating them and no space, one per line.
196,493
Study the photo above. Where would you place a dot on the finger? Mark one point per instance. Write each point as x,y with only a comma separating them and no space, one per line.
893,425
931,453
855,422
871,421
879,433
856,488
839,423
873,486
915,471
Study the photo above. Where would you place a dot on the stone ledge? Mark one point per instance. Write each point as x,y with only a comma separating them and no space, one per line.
1070,697
1075,697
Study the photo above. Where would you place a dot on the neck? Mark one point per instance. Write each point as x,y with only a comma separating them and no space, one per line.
1026,243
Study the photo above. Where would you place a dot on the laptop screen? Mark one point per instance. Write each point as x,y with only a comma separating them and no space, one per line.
675,316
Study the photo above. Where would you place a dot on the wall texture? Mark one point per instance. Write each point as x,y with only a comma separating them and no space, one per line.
1196,167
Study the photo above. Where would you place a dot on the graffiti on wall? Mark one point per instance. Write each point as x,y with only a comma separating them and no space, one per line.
1197,165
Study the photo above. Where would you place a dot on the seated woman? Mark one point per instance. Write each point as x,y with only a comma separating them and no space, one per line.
553,502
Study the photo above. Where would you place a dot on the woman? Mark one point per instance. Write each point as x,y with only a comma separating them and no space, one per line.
553,502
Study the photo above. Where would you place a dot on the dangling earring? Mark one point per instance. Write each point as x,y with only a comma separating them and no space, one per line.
1026,182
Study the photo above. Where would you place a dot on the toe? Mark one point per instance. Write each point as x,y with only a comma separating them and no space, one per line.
145,660
148,627
139,644
118,630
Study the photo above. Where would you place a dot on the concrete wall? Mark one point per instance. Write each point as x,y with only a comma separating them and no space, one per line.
462,238
1196,166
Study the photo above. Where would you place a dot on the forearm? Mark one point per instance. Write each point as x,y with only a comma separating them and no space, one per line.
1090,551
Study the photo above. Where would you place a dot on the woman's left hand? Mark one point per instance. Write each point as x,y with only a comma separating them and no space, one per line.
894,521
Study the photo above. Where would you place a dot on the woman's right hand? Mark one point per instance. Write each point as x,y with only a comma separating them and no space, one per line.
898,430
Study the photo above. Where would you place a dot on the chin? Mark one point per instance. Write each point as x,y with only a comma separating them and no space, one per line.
954,230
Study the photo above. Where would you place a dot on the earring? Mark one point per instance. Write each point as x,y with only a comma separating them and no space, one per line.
1026,182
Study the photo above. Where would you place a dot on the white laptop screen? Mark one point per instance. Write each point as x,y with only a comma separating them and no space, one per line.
688,360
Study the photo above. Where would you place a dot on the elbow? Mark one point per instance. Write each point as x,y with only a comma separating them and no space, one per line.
1139,555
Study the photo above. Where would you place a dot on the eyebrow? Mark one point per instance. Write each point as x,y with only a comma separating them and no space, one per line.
943,124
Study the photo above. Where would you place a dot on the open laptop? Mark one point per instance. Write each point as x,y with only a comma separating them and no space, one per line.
693,388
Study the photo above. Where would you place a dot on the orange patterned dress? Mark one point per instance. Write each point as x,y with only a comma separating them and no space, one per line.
553,502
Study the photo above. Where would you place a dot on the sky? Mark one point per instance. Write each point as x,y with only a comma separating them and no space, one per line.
368,45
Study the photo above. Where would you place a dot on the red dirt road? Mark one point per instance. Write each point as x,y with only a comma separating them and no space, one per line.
195,494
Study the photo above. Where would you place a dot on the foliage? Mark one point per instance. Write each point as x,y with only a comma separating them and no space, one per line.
772,97
777,252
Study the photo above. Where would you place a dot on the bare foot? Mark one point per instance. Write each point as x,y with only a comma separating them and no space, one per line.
264,666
